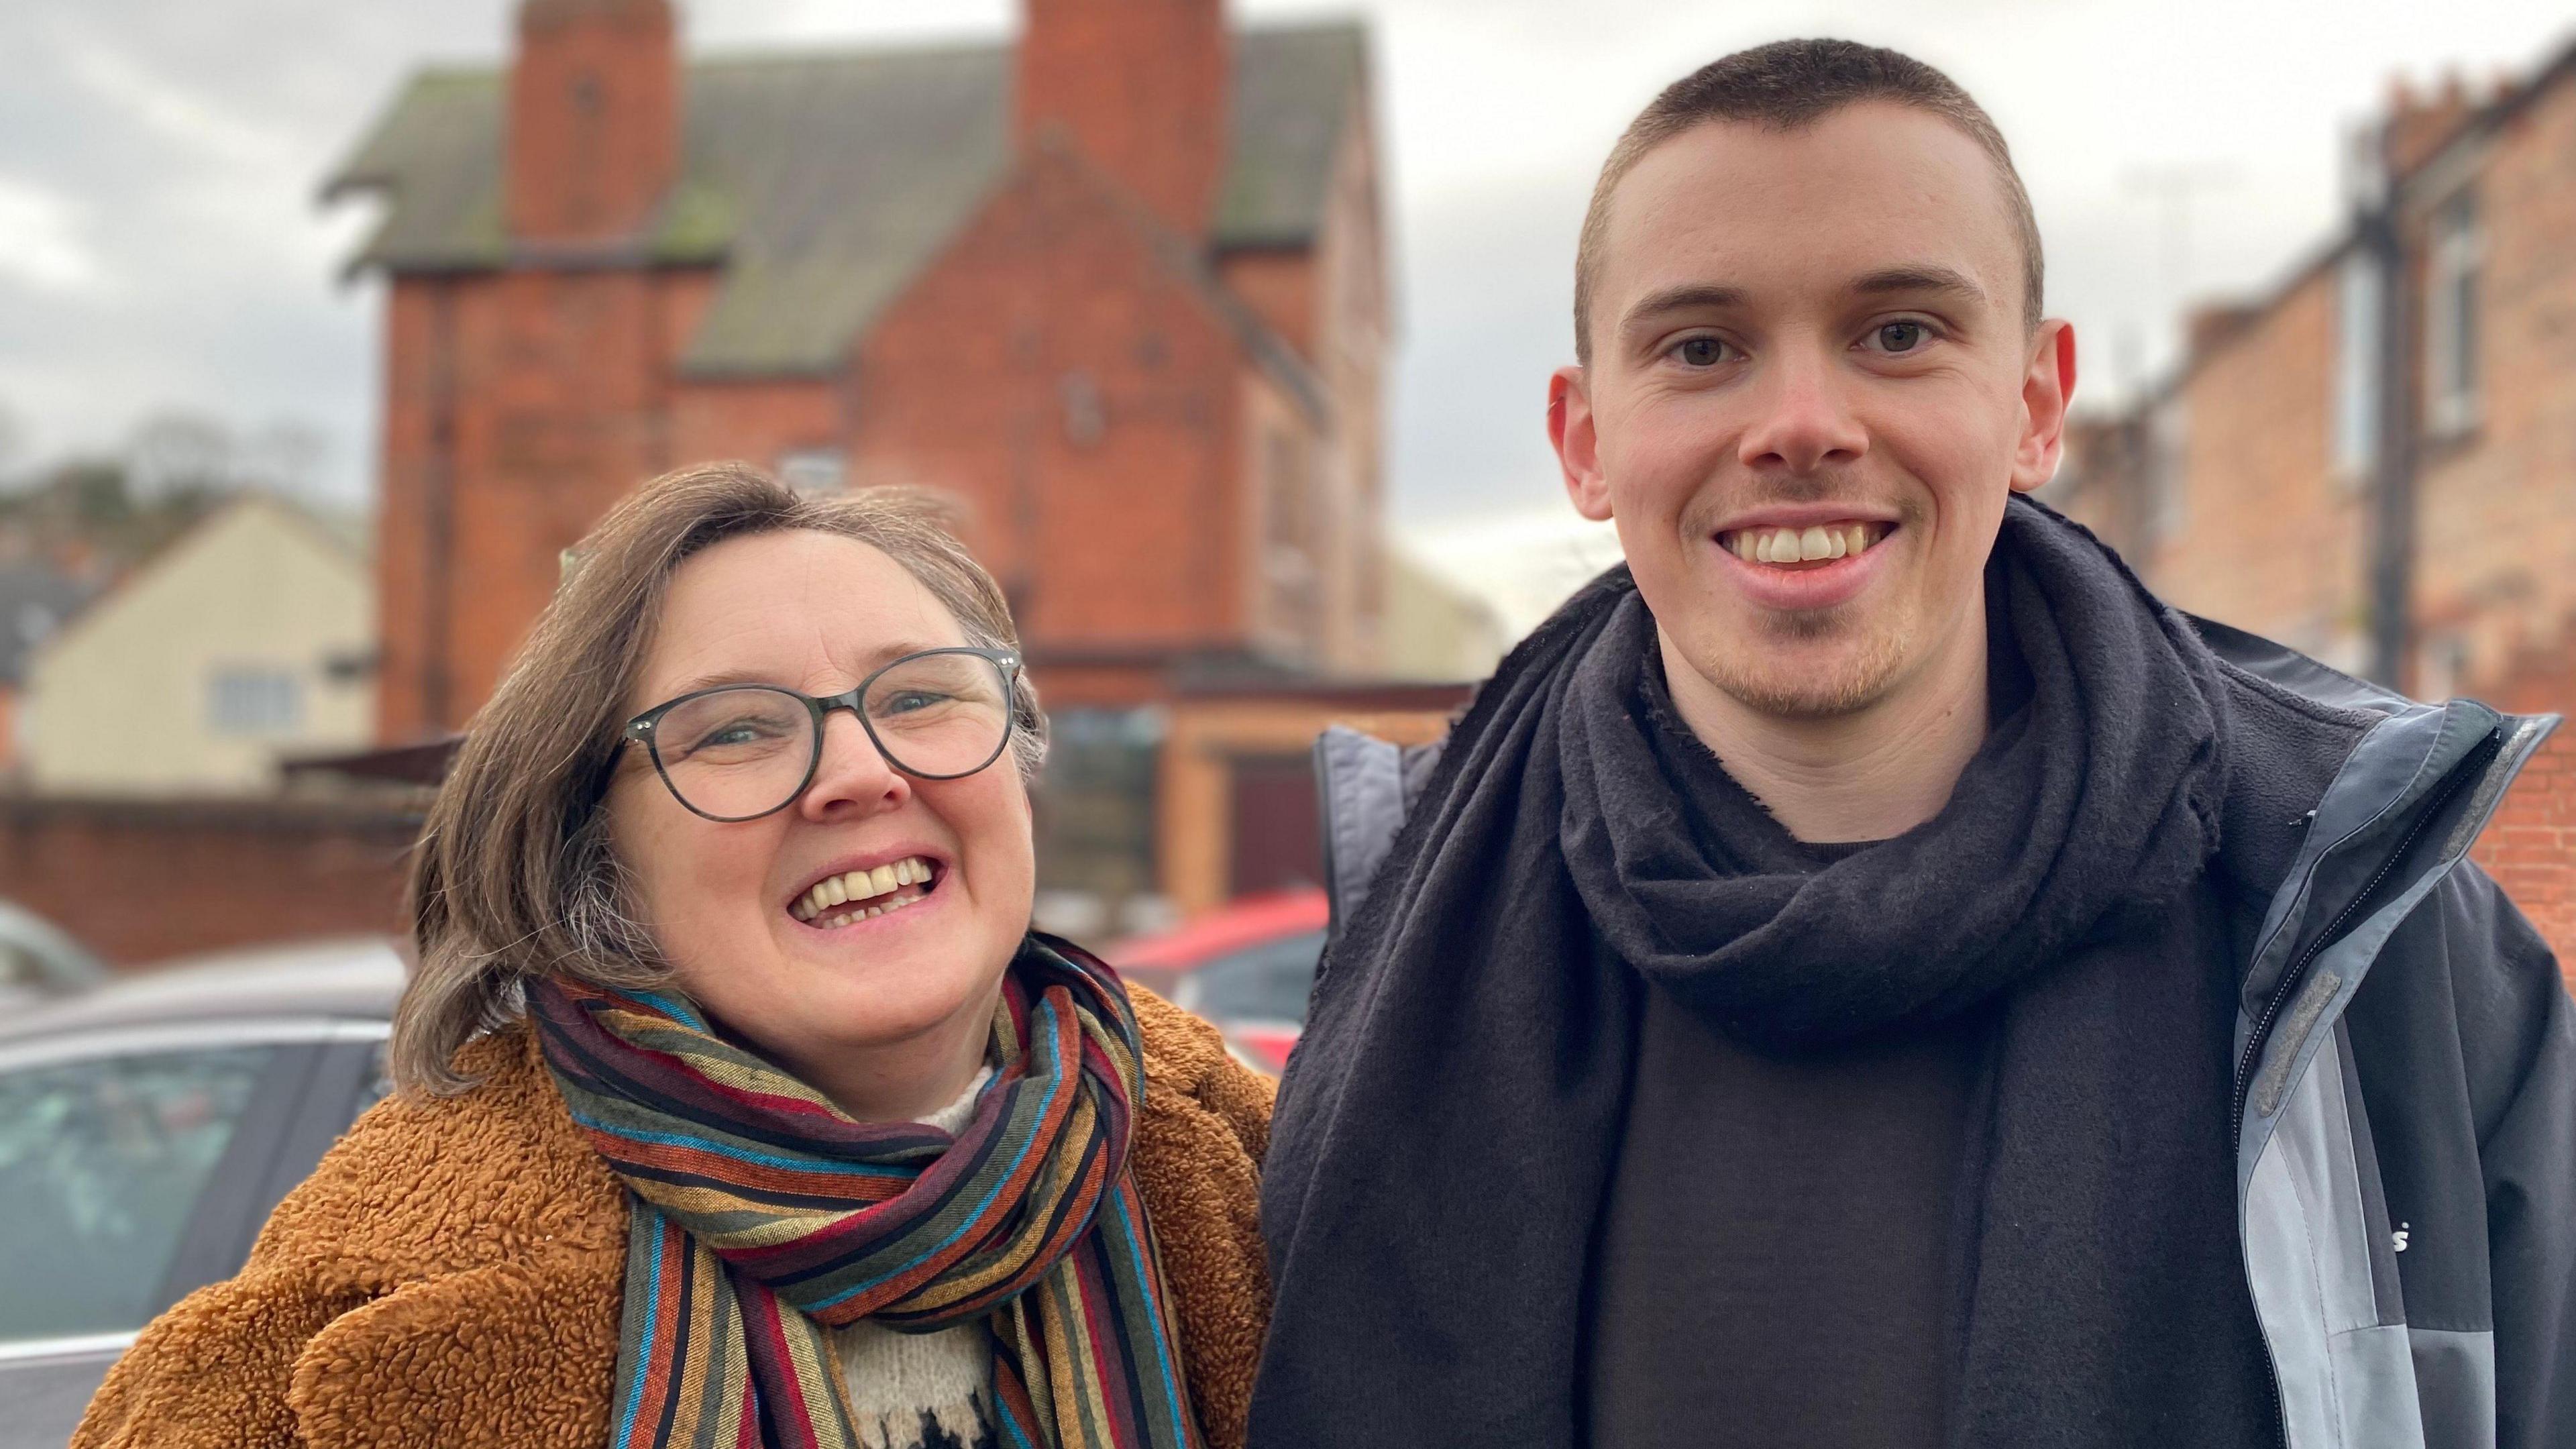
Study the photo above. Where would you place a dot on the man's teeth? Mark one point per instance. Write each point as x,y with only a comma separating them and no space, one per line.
1802,545
868,892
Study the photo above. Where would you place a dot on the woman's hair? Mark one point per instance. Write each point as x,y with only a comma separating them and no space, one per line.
513,878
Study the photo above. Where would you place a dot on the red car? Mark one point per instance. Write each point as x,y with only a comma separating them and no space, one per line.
1247,966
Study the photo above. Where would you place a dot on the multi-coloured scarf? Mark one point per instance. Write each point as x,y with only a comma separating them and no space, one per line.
762,1216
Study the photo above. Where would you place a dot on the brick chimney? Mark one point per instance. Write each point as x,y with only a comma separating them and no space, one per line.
594,118
2420,123
2208,325
1138,87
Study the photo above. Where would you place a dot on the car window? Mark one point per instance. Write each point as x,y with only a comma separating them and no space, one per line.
1269,982
380,1080
101,1161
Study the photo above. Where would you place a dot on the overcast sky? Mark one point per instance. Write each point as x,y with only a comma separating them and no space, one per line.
160,245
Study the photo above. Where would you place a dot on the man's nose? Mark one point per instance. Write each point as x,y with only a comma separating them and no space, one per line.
852,775
1804,419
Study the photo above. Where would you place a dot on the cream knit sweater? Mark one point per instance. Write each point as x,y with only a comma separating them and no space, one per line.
906,1387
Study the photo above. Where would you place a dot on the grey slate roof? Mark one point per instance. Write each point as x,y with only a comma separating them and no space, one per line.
35,602
824,181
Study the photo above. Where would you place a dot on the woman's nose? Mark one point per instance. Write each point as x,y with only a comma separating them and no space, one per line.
852,775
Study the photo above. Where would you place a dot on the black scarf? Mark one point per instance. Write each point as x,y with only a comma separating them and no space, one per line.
1446,1129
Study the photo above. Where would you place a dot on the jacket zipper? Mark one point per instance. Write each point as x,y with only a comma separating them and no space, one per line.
2483,755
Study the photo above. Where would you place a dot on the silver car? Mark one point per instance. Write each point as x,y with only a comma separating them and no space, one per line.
147,1126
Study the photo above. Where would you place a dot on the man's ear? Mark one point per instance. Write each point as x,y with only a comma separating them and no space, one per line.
2047,386
1578,447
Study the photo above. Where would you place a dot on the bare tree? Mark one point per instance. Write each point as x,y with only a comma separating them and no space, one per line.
178,452
286,458
13,446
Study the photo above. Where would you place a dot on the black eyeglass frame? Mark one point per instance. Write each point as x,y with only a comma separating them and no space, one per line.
639,730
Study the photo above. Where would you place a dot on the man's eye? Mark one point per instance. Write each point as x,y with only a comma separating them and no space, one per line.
1902,336
1701,352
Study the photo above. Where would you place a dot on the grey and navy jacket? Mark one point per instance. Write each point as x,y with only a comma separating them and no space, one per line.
2405,1119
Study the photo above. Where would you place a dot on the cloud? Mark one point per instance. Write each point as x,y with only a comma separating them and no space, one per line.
158,244
176,112
41,244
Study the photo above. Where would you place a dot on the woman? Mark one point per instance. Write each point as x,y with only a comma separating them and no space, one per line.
739,1103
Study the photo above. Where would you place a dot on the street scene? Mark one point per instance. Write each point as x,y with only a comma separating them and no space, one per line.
1198,442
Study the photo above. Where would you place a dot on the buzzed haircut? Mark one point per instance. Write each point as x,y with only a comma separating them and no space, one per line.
1785,86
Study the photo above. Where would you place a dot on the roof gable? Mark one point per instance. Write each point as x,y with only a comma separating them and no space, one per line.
823,182
253,535
35,602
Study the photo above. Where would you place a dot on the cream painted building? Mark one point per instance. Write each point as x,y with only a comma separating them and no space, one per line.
1462,591
248,639
1434,627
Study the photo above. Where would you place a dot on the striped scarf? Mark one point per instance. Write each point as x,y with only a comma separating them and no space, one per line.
762,1216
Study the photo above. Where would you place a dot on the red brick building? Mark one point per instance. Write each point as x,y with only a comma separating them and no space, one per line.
1121,287
2375,461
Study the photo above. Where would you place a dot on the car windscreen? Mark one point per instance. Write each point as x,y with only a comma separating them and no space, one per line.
1268,982
102,1160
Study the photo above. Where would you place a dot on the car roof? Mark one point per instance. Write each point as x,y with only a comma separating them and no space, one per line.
357,978
1250,921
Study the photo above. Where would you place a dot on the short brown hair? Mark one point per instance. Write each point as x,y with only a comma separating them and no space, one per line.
1785,86
513,878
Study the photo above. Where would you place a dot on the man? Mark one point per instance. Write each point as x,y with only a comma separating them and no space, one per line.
1866,973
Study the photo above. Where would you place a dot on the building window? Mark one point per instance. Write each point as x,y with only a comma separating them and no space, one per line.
1288,547
2451,316
1086,415
2169,502
814,470
2441,666
2357,350
254,700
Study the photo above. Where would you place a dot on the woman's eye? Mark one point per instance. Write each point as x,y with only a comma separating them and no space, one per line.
1701,352
735,735
1900,337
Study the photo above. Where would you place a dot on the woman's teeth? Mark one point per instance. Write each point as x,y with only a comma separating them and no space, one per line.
863,893
1803,545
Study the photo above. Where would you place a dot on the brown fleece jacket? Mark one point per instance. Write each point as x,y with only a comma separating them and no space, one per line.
451,1274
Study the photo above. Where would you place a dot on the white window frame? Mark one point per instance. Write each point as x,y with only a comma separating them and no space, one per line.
2455,264
281,713
2360,317
2168,434
815,472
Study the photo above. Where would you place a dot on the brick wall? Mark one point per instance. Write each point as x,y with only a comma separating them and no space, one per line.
2530,848
2496,517
140,881
519,406
1080,392
2259,529
1279,285
2531,843
760,421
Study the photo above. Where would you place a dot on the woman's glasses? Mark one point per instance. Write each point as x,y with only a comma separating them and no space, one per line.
741,751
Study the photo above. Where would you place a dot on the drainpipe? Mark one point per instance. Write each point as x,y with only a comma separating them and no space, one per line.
437,680
2390,585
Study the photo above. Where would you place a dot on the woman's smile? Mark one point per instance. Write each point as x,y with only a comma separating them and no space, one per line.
842,898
